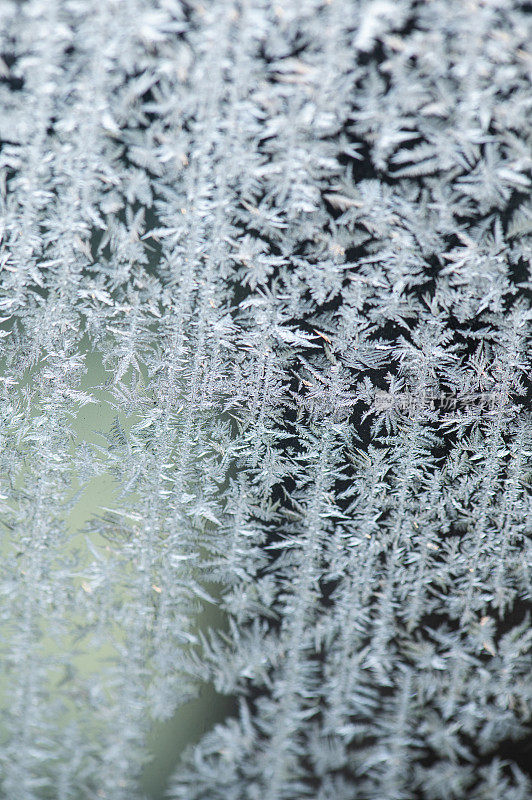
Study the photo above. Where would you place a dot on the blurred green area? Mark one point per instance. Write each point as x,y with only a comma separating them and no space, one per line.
88,659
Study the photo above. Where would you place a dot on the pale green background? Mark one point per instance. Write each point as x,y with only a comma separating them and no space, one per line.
168,739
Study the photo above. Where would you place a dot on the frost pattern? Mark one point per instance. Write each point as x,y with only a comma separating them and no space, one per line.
298,234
